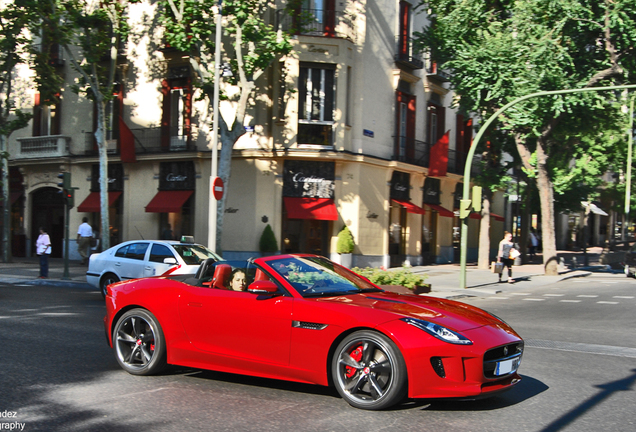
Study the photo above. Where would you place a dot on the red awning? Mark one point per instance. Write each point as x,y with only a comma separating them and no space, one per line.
475,215
311,208
410,207
91,203
441,210
168,201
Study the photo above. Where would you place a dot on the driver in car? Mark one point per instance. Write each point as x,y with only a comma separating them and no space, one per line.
237,280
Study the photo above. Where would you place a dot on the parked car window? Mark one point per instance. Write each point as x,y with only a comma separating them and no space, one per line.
194,254
160,252
121,252
137,251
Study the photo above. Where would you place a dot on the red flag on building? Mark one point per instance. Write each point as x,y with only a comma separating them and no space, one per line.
439,157
126,142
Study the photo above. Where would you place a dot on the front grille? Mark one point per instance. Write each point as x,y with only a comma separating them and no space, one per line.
495,356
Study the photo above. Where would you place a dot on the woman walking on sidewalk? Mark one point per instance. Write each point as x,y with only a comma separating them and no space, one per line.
43,250
506,248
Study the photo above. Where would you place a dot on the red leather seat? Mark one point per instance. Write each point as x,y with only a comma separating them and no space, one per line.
221,273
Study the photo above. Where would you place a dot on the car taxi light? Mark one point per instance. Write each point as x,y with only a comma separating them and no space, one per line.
441,333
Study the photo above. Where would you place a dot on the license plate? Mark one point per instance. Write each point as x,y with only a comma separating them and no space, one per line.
506,366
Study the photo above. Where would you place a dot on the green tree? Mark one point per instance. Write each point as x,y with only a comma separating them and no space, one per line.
90,33
250,45
498,51
13,51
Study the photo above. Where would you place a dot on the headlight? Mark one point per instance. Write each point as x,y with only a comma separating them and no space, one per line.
441,333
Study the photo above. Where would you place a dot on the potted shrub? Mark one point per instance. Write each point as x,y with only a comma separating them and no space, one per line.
268,244
345,246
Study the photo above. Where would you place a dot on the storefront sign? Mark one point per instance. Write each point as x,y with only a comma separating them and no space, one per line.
431,191
115,178
400,186
176,176
308,179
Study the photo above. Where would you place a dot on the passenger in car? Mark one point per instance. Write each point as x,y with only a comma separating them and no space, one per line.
236,281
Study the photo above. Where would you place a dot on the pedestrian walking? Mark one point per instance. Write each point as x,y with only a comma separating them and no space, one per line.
507,254
43,250
534,242
84,236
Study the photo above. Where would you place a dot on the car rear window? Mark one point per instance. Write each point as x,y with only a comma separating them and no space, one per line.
136,251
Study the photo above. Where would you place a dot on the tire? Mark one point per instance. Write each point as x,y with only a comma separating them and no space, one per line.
139,344
368,371
106,280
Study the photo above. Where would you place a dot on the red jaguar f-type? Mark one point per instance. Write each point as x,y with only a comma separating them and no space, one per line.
304,318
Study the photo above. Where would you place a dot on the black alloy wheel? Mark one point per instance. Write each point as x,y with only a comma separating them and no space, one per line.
106,280
139,344
368,371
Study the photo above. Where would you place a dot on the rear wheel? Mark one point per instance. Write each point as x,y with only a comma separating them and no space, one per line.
368,371
139,344
106,280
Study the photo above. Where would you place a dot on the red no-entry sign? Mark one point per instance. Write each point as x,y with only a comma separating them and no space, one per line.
218,188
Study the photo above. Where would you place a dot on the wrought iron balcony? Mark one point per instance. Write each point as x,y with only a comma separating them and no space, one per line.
406,54
147,140
317,22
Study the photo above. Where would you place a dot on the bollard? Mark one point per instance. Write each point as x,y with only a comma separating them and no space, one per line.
574,262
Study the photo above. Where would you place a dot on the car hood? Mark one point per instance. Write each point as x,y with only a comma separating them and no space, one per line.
448,313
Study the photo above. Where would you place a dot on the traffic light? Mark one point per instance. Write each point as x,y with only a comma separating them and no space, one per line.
66,180
69,196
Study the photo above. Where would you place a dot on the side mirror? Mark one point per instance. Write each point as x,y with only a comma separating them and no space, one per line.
171,261
263,287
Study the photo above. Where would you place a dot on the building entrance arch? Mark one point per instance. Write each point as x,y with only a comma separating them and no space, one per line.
47,210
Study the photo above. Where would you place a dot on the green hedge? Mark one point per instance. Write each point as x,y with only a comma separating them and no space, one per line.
403,277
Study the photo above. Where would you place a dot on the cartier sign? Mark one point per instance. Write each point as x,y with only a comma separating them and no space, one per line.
308,179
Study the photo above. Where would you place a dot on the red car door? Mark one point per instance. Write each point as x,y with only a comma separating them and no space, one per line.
238,324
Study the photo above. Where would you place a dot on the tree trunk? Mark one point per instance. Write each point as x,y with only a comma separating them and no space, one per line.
6,203
103,174
483,262
546,197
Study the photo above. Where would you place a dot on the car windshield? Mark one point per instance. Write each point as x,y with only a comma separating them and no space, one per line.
194,254
319,277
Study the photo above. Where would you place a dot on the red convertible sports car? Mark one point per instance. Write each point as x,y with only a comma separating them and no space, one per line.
304,318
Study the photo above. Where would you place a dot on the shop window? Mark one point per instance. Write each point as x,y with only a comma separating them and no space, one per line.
317,90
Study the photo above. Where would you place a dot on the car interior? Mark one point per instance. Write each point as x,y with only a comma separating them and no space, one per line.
215,274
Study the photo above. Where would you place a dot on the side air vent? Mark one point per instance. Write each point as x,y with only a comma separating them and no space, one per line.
308,325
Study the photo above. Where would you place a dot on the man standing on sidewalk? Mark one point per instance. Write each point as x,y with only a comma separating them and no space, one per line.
84,235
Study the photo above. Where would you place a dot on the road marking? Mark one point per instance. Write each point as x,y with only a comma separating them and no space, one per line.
606,302
500,298
623,297
553,295
520,294
582,347
570,301
533,299
587,296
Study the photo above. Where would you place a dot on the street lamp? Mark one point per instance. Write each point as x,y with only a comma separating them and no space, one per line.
213,205
465,203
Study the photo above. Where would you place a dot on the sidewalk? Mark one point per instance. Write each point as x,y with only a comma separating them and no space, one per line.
444,278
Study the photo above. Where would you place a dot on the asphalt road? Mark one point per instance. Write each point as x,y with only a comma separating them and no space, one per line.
58,374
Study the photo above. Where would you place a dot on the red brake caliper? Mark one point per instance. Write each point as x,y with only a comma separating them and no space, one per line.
356,354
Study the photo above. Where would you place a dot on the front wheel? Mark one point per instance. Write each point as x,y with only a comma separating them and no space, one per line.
139,344
368,371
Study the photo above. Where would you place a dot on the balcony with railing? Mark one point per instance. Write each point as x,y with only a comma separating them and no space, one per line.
419,153
407,53
43,147
317,22
146,141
